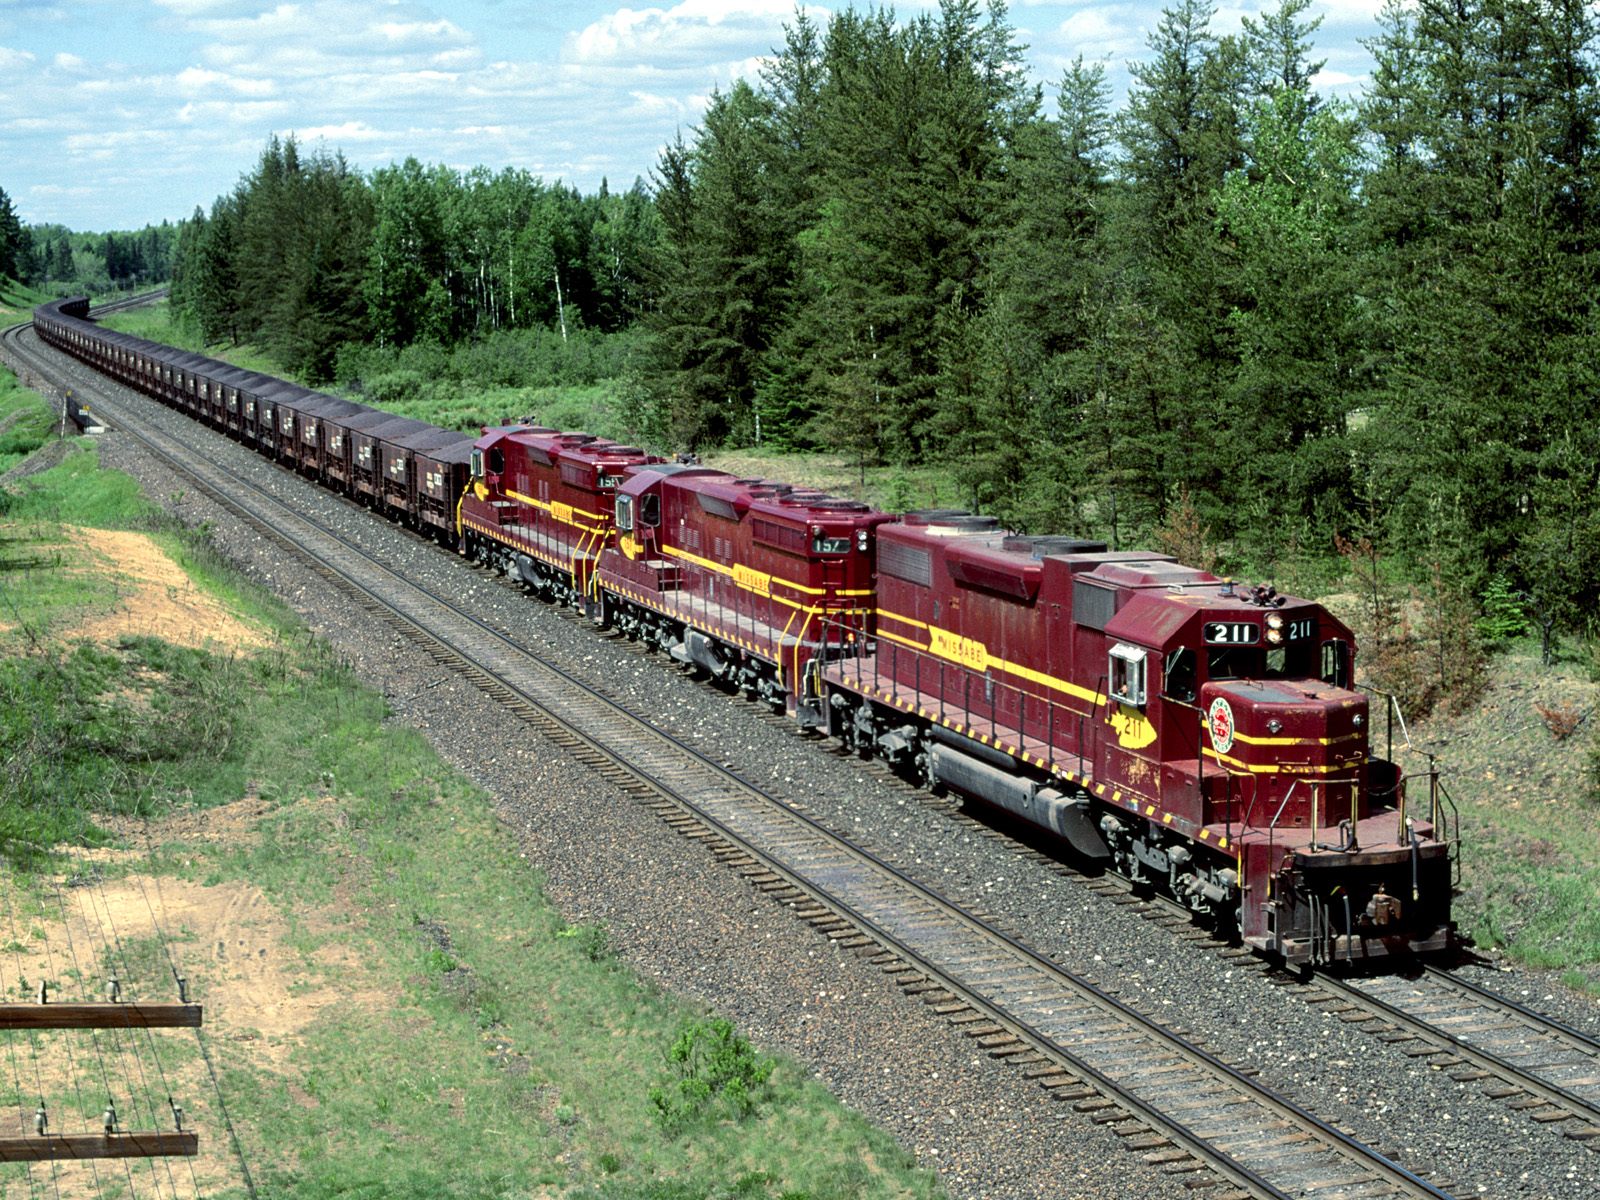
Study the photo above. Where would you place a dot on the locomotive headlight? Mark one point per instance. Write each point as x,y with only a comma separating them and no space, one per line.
1274,637
861,540
1275,621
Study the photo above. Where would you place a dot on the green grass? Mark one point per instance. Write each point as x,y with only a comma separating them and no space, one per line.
487,1046
26,421
1529,814
18,302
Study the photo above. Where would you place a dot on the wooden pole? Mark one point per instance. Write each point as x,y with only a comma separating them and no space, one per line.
99,1016
57,1147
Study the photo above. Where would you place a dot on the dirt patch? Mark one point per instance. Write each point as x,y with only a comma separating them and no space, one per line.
259,985
236,825
156,598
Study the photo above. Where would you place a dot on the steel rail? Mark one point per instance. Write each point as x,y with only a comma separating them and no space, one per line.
1551,1049
1557,1048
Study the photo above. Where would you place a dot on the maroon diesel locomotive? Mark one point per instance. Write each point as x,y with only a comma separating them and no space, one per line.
540,507
1196,737
1203,739
747,579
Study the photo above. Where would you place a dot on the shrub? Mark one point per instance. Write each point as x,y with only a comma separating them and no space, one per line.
1423,647
1562,720
592,941
713,1068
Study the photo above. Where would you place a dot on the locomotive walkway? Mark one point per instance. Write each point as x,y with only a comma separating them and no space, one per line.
1184,1110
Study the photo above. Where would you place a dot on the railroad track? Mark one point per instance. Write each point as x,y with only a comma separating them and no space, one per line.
1523,1058
1185,1111
1534,1064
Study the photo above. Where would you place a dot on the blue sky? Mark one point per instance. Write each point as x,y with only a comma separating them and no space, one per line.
114,113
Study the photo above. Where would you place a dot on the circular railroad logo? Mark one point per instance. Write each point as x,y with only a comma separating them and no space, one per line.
1219,719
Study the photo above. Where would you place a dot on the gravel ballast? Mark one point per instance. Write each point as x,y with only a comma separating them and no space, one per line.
676,916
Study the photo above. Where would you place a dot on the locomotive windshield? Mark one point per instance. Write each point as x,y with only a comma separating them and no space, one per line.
1295,661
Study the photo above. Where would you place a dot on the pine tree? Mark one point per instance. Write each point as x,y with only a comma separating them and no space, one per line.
11,235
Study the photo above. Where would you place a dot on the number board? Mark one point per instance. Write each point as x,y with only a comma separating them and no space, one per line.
1299,629
1231,633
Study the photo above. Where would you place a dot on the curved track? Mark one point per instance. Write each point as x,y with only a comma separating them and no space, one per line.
1186,1111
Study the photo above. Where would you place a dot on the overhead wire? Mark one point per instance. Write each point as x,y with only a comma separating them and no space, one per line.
72,1062
119,957
94,1034
11,1044
205,1050
178,980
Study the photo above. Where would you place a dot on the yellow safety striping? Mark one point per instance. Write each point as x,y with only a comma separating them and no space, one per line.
1276,768
1133,801
561,512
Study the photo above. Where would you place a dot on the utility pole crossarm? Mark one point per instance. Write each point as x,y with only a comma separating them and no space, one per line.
60,1147
99,1016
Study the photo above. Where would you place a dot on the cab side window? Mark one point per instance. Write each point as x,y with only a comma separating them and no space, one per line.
1126,674
1335,664
1180,675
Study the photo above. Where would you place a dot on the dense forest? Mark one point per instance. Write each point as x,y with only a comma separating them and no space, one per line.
53,255
1231,315
1300,319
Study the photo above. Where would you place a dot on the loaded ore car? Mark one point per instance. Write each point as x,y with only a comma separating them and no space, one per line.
540,507
397,467
366,454
309,427
747,579
441,481
1205,739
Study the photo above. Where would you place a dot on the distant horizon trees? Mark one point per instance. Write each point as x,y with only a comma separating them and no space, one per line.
307,255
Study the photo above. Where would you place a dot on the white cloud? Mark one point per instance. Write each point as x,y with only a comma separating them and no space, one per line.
200,81
249,113
687,35
345,132
1362,13
420,31
13,60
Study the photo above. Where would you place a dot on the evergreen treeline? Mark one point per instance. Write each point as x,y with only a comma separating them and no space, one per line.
1313,318
307,255
46,254
1231,309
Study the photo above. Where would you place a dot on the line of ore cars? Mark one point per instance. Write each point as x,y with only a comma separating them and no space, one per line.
1201,738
